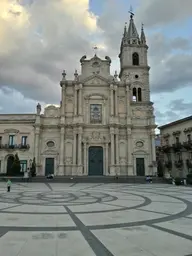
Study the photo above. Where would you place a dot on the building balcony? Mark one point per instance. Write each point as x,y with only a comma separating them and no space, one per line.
168,165
14,147
166,148
187,144
177,146
23,146
179,163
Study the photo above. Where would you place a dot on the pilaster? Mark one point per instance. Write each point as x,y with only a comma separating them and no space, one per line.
75,100
37,148
85,157
80,99
74,147
80,167
106,158
153,152
117,149
129,152
128,98
112,167
111,99
116,100
61,153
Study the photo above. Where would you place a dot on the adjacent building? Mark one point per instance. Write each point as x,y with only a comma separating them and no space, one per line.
105,124
176,145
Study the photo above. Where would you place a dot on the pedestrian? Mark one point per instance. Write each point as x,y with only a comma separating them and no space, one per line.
9,185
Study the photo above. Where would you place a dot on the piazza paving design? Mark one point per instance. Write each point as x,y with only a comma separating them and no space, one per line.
56,219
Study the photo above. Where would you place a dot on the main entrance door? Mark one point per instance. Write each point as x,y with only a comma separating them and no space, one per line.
140,166
49,166
95,161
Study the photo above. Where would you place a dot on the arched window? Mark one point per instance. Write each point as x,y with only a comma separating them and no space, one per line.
139,94
135,59
134,97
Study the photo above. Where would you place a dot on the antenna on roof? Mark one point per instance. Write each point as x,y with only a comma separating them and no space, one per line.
131,12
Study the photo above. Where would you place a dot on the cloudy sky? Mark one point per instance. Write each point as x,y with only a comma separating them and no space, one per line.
40,38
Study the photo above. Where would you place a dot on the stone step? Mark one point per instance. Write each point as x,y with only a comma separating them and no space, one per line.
88,179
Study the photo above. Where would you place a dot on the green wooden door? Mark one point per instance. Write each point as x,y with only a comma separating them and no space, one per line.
140,166
95,161
49,166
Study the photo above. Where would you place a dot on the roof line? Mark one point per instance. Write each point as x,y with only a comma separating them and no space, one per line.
175,122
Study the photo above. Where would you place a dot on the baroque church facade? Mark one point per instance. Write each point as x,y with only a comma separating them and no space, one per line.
105,123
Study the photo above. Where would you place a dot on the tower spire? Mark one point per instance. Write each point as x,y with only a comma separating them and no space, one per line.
132,34
143,38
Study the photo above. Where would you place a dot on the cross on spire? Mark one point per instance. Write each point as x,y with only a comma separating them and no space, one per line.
131,12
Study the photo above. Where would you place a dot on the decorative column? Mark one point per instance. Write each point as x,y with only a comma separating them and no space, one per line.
117,146
63,101
116,101
80,99
112,168
153,152
36,149
74,147
75,100
80,167
80,149
62,133
112,108
37,139
129,152
128,100
106,158
128,105
104,121
85,157
87,111
61,153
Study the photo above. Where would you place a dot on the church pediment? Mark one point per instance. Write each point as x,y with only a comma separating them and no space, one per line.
95,80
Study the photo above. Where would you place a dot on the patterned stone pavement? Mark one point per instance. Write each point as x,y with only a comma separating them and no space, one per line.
95,220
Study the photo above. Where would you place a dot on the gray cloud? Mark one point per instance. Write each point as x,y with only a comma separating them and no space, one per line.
175,110
34,53
172,73
160,13
12,101
44,47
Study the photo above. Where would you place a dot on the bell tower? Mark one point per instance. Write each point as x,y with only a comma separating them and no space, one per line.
134,61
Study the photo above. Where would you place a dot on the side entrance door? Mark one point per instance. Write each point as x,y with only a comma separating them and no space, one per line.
49,166
95,161
140,166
